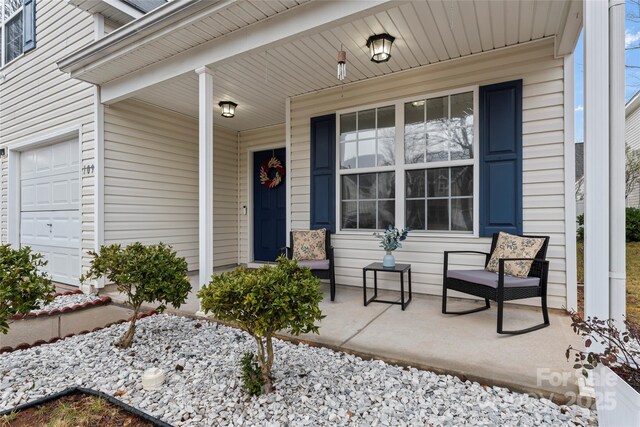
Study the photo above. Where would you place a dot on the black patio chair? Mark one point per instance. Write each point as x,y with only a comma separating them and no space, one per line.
322,269
500,287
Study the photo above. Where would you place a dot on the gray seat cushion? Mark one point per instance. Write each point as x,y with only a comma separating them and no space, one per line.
315,265
488,278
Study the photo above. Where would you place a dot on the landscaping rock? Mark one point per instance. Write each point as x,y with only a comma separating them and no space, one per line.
62,301
314,386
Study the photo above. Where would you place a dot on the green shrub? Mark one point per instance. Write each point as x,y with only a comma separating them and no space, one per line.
252,381
152,273
633,225
23,286
265,301
580,228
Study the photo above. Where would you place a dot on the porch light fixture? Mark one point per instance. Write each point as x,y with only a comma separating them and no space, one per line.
228,108
380,47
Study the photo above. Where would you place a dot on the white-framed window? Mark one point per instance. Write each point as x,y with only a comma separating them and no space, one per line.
411,163
11,30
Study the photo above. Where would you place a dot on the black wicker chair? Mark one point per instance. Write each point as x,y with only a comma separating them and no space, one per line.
324,269
500,287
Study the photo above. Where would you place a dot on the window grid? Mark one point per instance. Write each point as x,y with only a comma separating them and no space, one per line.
10,11
375,139
401,166
358,199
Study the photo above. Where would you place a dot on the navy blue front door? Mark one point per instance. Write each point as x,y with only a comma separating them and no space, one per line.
269,210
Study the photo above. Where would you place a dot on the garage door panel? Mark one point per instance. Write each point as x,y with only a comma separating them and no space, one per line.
63,264
63,231
50,207
58,192
56,159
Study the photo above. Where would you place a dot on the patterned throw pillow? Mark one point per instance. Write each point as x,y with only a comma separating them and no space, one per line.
510,246
309,245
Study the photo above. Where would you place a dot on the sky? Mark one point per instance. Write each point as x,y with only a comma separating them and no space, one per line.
632,38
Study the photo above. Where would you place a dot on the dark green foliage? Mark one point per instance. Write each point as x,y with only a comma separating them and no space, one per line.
580,228
262,302
252,381
23,286
633,225
145,274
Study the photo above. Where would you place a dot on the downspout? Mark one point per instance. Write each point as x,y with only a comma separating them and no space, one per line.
617,238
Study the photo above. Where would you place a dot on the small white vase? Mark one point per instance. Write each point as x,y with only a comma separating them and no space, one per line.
389,261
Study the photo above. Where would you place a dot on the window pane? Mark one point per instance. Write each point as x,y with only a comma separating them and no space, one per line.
386,151
437,214
387,185
367,187
349,187
349,214
414,184
437,144
367,215
348,127
437,109
367,153
386,213
413,115
461,142
13,35
438,182
348,155
10,6
367,124
462,109
415,146
462,181
415,214
462,214
387,121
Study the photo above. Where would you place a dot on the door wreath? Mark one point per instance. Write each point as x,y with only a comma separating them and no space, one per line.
265,169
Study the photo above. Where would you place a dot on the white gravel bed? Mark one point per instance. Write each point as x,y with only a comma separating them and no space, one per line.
62,301
314,386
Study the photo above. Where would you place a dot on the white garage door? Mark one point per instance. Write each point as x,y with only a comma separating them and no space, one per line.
50,207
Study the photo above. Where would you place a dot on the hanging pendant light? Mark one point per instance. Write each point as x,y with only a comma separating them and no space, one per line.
342,65
380,47
228,108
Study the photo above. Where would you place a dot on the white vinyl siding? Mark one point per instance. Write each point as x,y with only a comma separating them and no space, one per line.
151,181
543,164
632,138
36,99
257,139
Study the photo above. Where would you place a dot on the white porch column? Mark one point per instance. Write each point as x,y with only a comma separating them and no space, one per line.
596,153
617,244
205,172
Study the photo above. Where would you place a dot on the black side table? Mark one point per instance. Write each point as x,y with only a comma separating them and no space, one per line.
377,266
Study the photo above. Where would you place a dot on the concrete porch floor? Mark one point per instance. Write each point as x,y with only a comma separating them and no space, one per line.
466,346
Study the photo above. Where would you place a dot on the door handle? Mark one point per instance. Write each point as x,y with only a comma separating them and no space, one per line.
49,225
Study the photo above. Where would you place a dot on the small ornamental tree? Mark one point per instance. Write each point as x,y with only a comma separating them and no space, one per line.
151,274
262,302
23,285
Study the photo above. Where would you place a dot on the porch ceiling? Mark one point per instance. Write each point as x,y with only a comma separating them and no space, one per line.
259,80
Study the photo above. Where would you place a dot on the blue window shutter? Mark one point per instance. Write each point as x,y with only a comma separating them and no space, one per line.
29,25
323,172
501,158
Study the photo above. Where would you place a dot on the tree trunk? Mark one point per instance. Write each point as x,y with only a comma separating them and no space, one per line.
127,339
265,361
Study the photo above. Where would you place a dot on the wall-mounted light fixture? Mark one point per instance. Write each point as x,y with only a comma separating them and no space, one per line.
3,153
228,108
380,47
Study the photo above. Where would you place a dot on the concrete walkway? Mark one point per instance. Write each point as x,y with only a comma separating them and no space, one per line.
466,346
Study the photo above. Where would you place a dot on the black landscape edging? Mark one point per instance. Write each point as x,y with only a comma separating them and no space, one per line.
87,391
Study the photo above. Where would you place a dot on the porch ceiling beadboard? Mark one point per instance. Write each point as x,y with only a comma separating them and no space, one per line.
426,32
36,100
543,164
151,181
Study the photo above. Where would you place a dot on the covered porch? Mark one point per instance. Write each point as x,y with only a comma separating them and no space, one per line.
277,62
